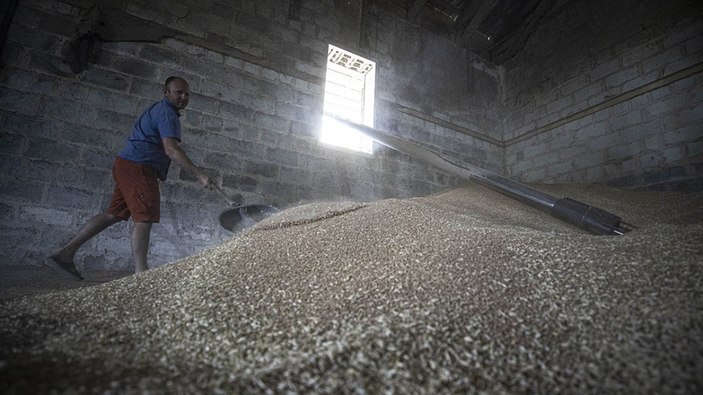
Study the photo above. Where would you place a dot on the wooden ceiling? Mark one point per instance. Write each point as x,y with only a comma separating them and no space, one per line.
495,30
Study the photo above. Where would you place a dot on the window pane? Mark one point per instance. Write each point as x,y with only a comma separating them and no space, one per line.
348,94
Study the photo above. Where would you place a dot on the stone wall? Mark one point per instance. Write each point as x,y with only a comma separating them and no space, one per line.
257,73
609,92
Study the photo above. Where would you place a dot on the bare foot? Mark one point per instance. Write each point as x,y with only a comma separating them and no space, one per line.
65,267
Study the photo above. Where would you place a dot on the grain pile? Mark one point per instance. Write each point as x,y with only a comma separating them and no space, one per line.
458,292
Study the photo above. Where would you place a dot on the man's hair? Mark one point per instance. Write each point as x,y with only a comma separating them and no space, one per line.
171,78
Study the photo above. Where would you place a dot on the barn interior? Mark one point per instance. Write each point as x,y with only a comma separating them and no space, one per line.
444,244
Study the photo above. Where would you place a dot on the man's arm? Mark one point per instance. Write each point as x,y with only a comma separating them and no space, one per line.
177,155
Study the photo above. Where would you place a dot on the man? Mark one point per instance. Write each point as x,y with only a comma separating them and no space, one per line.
151,147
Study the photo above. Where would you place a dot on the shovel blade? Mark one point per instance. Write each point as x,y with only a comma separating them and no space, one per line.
240,217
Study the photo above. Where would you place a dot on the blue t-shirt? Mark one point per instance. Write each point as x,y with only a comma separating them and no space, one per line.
144,144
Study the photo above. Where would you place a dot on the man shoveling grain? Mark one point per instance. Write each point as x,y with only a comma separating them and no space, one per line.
152,145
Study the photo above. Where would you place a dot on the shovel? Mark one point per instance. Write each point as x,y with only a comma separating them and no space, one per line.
239,217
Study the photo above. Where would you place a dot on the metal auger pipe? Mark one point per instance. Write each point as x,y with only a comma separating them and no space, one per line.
576,213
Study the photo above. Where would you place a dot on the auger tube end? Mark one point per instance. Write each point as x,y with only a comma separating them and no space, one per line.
589,218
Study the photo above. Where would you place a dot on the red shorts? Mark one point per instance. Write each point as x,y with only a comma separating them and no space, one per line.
136,192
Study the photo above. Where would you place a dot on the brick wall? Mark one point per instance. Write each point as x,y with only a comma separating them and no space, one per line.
257,80
609,92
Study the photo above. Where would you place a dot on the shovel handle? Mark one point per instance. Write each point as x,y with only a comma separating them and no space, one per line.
224,194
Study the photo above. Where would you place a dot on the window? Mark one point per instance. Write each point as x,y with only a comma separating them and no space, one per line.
349,94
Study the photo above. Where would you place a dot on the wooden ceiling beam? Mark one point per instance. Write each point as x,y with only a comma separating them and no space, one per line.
294,10
513,44
473,15
414,10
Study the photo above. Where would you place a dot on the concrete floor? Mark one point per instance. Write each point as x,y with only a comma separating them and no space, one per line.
18,281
